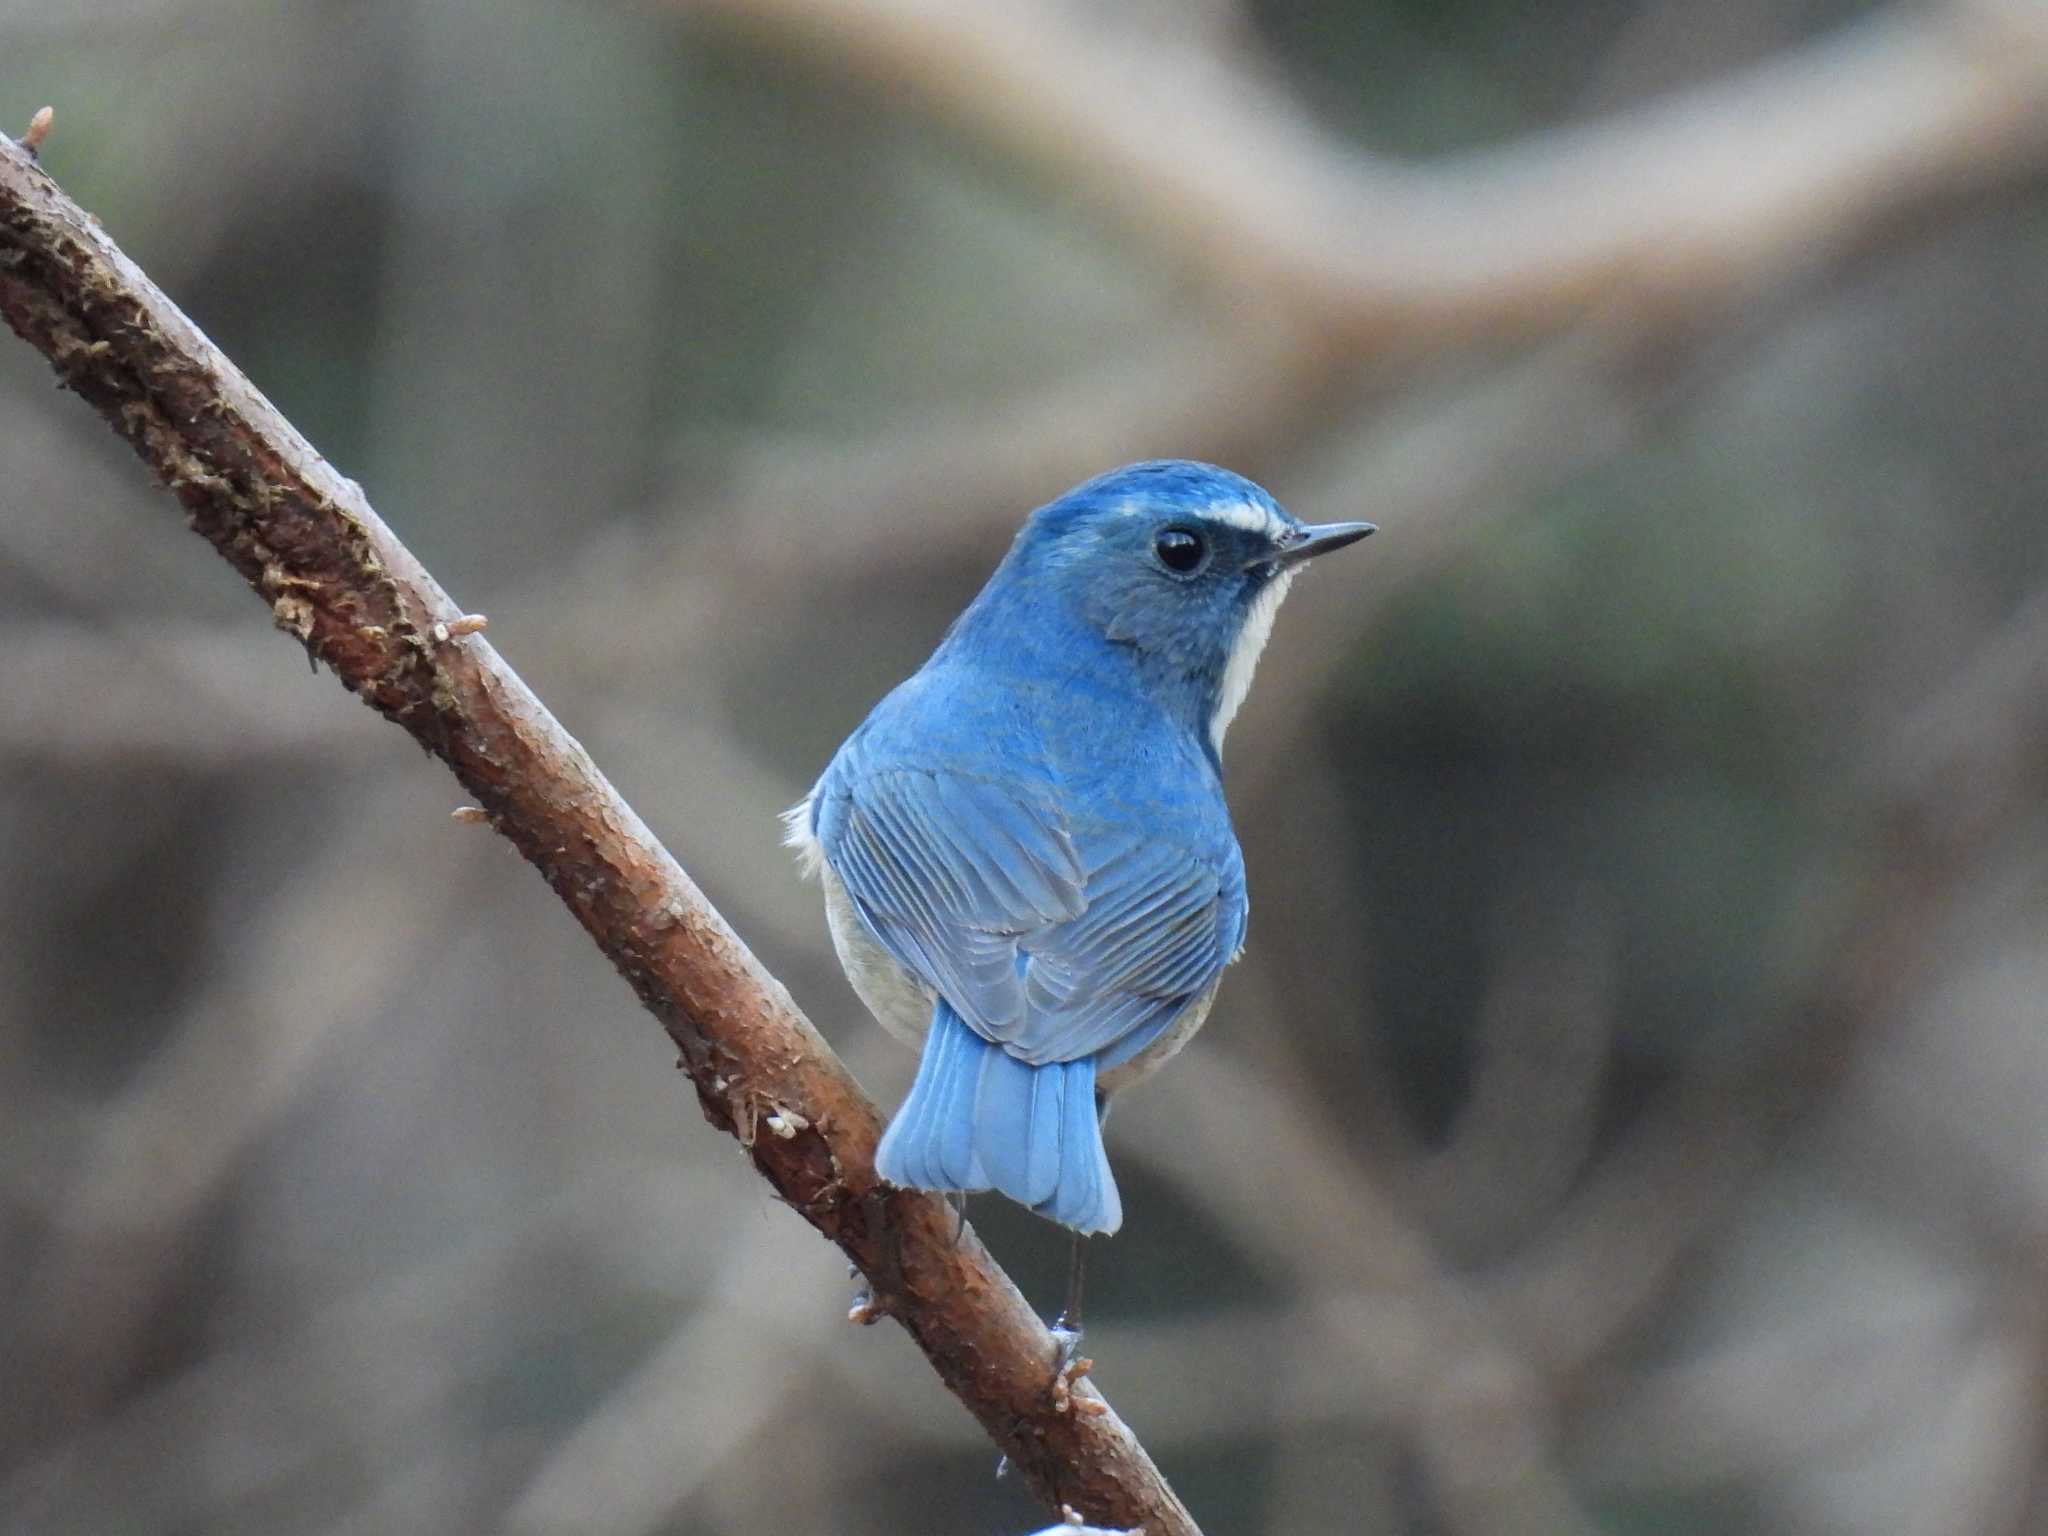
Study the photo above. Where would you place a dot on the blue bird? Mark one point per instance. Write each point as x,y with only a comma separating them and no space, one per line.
1028,864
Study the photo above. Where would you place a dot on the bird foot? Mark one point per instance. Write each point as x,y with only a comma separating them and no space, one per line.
1070,1368
867,1309
1067,1336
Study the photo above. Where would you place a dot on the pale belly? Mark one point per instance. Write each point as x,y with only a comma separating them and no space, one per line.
903,1004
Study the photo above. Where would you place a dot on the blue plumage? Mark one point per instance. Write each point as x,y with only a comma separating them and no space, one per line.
1026,853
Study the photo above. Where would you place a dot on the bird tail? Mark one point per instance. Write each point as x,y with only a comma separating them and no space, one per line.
978,1118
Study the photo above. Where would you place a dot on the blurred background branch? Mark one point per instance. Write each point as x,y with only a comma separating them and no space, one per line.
1667,208
1626,1117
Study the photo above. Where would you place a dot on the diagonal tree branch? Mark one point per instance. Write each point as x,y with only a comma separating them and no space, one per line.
340,581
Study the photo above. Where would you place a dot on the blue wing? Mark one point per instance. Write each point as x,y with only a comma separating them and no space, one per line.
1054,945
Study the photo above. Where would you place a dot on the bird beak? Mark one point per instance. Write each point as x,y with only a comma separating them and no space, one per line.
1320,539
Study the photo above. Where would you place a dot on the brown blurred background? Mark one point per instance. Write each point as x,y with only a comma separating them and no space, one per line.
1629,1116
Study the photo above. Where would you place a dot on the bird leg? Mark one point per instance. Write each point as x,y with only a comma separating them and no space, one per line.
1070,1365
1067,1326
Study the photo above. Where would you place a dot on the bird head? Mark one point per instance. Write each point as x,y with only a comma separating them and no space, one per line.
1178,566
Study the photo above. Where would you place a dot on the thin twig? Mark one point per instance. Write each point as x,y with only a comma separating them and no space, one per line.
341,583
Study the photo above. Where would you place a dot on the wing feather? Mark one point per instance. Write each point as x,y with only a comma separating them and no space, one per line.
1054,947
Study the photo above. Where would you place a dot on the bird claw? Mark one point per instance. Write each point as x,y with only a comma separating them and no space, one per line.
1072,1367
867,1308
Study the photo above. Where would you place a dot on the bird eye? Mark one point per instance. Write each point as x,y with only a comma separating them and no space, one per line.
1180,550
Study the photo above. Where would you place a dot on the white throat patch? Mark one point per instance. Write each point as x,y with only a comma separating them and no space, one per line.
1244,655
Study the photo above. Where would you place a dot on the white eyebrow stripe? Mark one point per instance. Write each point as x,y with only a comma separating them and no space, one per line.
1246,515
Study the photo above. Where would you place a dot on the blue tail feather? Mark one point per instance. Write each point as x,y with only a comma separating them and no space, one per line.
978,1118
1087,1197
1017,1124
930,1143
